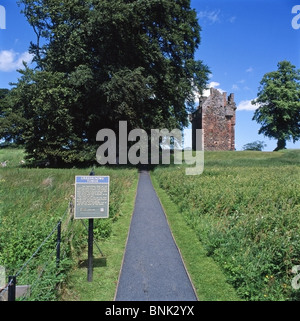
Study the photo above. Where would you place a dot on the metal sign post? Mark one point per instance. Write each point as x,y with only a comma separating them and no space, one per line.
90,244
91,201
90,250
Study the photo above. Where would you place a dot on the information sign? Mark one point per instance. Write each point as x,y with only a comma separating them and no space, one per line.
91,197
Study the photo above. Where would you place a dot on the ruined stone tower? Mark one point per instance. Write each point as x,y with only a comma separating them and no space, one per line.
216,116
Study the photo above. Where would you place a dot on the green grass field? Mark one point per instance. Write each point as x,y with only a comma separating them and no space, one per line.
245,210
207,277
106,269
32,200
237,225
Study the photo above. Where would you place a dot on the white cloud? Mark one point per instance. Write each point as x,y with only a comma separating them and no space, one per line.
11,60
235,87
250,69
212,84
246,105
232,19
212,16
206,92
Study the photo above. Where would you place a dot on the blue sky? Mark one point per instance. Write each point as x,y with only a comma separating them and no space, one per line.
241,40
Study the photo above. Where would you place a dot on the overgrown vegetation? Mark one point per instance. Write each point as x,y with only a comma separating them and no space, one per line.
245,209
207,276
32,200
106,269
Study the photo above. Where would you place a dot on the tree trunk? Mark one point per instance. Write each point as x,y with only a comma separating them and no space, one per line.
281,143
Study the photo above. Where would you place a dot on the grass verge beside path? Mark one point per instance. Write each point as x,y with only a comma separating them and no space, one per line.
245,211
208,280
106,271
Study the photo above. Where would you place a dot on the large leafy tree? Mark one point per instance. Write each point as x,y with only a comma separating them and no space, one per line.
3,94
279,104
11,120
101,61
46,101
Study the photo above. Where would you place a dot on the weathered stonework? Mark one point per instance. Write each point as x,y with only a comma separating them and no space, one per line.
216,117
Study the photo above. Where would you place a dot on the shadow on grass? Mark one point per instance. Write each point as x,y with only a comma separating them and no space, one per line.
97,262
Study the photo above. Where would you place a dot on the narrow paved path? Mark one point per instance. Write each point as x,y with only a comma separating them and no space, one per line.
152,268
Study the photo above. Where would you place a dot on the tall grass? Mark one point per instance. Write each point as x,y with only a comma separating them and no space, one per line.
32,200
245,209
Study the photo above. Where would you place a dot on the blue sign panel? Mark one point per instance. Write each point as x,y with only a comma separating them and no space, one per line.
92,179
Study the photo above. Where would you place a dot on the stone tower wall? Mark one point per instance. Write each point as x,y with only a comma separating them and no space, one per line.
216,116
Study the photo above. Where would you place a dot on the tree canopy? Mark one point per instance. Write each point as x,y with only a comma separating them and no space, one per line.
258,145
279,101
102,61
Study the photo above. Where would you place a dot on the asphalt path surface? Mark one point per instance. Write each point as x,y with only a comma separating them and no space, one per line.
152,268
